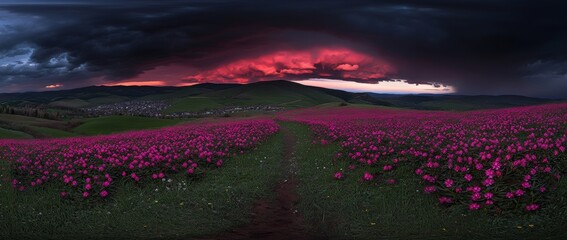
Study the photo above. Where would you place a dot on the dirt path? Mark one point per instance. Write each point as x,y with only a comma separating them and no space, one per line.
278,218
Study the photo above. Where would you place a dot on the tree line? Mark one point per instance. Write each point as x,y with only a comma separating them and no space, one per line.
29,111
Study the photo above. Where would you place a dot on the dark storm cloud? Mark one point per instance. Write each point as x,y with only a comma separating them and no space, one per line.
495,47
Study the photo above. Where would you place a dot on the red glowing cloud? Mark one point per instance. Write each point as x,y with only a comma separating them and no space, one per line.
339,63
347,67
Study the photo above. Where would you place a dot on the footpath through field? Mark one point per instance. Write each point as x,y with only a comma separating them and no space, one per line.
276,218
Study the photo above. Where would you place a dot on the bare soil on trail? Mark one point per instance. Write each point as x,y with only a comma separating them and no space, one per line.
277,218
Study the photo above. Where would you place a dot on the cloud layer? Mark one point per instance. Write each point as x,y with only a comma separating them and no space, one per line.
478,46
321,62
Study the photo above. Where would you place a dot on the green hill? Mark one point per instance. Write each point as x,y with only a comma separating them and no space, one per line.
114,124
35,127
282,93
277,93
8,133
454,102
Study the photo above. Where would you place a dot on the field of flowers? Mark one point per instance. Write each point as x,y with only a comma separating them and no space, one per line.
494,160
89,167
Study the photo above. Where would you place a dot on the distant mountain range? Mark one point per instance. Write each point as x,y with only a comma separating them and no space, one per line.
278,93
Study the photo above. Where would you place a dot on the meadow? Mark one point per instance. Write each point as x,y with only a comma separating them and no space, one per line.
361,173
430,175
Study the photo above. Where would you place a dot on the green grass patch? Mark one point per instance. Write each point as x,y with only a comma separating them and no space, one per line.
351,209
181,209
114,124
24,120
52,132
107,100
69,103
193,104
7,133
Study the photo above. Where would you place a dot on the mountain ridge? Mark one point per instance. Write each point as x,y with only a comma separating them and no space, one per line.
279,92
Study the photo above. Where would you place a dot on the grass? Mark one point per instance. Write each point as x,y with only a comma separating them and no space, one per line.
24,120
107,100
281,94
69,103
114,124
287,96
351,209
193,104
30,127
52,132
7,133
223,198
220,201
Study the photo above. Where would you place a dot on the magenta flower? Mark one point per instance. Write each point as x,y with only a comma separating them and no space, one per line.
339,175
445,200
532,207
391,181
475,196
449,183
419,171
367,176
474,206
429,189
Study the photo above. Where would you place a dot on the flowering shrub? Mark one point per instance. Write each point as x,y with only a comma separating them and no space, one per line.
495,159
89,166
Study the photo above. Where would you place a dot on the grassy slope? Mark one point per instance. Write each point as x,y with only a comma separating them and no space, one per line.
36,127
107,100
7,133
285,94
456,102
351,209
193,104
27,120
275,93
52,132
218,202
181,93
69,103
113,124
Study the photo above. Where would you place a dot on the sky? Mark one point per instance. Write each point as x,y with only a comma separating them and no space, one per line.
491,47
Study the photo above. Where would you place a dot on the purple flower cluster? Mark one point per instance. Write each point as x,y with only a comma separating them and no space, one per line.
89,166
505,159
